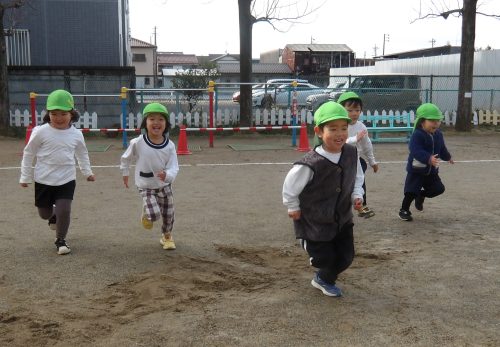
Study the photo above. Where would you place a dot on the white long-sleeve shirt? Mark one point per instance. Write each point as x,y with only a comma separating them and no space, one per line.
55,151
299,175
364,146
150,159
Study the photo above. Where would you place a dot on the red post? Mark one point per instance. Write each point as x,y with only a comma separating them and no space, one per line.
32,124
211,85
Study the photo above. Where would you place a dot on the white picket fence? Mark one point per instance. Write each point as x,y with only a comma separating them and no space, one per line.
229,118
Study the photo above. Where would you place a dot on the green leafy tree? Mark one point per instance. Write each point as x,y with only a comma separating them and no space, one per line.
194,82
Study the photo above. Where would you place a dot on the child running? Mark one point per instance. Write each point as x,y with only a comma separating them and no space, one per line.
427,149
155,171
319,192
55,144
358,136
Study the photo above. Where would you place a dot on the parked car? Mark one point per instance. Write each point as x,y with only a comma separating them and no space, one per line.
269,85
256,87
282,95
315,100
379,92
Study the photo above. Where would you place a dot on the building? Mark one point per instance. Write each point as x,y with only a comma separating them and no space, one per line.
74,32
144,59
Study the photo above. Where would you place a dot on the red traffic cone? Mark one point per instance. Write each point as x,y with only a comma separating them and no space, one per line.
182,146
303,139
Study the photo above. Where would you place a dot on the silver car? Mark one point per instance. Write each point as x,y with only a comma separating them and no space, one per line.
282,95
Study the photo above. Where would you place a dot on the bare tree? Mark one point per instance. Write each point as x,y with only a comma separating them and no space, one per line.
5,6
274,12
468,13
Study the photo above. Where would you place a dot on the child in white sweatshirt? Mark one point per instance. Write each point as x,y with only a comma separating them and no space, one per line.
358,136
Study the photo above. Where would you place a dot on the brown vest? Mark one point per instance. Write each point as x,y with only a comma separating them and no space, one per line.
325,202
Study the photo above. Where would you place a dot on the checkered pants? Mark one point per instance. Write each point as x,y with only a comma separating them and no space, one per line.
159,203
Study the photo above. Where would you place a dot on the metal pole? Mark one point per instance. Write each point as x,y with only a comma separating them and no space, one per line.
123,96
294,113
211,85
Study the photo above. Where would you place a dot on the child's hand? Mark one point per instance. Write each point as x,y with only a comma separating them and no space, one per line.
451,161
295,215
24,185
91,178
435,160
361,134
358,204
375,167
125,181
162,175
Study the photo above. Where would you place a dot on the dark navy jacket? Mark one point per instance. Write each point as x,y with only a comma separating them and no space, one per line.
422,146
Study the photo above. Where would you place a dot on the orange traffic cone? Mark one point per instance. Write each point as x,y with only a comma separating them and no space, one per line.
303,139
182,146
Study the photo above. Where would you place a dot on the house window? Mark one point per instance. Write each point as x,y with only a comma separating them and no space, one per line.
138,57
146,81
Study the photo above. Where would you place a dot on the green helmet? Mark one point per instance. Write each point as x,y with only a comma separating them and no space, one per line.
429,111
348,95
60,100
155,107
329,111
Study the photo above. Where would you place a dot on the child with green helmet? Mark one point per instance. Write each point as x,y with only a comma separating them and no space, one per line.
358,136
55,145
155,171
427,149
319,192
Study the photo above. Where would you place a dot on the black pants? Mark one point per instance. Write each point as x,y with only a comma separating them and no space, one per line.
332,257
428,186
364,166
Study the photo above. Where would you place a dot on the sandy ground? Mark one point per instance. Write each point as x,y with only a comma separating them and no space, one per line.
237,277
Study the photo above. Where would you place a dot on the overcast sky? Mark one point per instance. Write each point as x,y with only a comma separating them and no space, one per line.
211,26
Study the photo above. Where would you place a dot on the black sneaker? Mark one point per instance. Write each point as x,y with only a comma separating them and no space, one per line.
52,222
62,247
419,202
405,215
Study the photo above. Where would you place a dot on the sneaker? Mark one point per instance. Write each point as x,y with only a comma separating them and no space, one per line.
366,212
326,288
167,242
419,202
405,215
52,222
62,247
146,223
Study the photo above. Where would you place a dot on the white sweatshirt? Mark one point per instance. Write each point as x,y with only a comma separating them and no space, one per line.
299,175
364,146
151,159
55,151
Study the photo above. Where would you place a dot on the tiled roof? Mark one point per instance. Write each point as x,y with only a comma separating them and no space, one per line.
231,68
139,43
177,58
316,47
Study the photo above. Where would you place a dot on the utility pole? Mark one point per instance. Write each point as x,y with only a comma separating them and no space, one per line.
375,50
155,59
432,41
386,39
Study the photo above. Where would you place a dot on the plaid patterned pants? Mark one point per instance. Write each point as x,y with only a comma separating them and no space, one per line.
159,203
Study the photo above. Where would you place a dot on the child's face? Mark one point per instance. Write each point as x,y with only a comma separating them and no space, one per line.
60,119
155,124
334,135
430,125
354,111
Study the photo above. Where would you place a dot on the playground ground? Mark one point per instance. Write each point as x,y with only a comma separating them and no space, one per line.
237,277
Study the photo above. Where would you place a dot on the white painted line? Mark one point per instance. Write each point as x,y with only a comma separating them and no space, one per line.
266,163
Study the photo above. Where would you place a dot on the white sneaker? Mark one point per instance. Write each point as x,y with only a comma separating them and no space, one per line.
167,242
62,247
